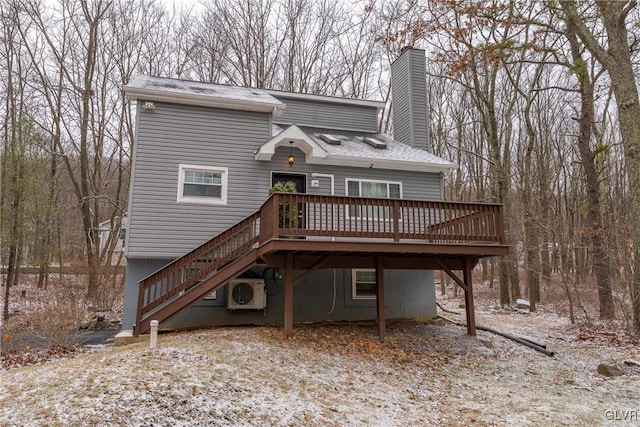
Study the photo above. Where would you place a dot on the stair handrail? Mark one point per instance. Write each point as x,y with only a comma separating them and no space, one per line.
186,271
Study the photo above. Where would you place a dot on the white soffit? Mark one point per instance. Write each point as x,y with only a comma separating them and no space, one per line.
314,153
389,164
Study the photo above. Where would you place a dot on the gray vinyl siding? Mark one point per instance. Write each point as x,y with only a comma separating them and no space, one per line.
408,294
409,92
327,115
170,135
415,185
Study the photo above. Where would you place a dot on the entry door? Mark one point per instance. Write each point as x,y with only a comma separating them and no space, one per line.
300,181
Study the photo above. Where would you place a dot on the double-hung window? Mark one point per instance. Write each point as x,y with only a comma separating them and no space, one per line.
202,184
376,189
363,284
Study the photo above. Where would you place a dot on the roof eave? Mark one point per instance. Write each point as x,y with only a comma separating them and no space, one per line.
137,93
389,164
323,98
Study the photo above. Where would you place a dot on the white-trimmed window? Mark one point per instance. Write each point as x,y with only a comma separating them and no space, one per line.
202,184
372,188
212,295
363,283
376,189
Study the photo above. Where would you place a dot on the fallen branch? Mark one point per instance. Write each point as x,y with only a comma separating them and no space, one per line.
445,310
528,343
539,344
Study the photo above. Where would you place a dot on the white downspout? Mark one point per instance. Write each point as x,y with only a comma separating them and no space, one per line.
333,190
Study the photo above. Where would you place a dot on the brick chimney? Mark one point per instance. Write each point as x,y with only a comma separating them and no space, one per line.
409,97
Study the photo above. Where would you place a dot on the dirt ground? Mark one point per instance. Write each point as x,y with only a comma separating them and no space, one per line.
424,373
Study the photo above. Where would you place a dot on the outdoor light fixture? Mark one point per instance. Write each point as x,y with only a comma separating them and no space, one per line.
292,159
149,105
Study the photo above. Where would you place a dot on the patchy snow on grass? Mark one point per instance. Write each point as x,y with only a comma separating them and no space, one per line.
330,375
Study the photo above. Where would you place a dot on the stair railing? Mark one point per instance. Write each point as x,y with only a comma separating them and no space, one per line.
186,271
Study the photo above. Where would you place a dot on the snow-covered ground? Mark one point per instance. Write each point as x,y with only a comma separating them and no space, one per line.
334,375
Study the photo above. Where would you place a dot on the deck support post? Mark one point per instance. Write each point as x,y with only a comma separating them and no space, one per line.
380,297
288,295
468,297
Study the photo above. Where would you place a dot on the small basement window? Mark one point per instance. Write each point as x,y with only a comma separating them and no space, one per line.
212,295
363,284
202,184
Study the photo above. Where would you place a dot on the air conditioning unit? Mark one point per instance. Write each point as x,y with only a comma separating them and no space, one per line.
246,294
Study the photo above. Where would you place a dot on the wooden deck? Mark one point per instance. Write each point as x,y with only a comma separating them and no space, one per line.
309,232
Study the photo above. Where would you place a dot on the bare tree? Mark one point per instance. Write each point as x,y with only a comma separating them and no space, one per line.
586,121
615,57
253,45
77,57
474,49
19,138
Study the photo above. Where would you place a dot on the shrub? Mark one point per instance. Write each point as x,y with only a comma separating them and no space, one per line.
288,211
55,325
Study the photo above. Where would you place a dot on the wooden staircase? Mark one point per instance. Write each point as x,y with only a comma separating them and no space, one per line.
198,273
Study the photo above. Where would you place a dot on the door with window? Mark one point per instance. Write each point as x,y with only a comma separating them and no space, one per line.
300,182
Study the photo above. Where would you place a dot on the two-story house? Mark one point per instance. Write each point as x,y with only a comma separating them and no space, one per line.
359,238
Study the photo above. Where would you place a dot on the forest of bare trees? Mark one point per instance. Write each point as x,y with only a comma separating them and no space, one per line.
536,101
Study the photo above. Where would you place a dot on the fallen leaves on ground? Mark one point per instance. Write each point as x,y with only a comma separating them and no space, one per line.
16,359
605,333
330,374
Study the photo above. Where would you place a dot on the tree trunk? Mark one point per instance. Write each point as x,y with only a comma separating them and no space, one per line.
626,94
599,254
616,59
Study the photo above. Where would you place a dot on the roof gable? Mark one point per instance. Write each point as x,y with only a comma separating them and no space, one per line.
295,137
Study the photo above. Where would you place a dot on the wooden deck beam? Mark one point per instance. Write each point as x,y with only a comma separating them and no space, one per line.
288,295
380,297
310,270
453,275
466,283
468,298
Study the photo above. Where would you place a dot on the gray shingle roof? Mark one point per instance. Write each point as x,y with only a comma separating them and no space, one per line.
161,88
352,145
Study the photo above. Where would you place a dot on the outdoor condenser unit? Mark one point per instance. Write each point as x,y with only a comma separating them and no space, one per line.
246,294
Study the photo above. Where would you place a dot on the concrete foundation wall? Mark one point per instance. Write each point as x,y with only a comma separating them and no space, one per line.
325,295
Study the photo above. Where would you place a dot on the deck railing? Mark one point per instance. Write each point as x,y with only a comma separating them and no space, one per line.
293,214
397,219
